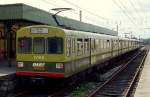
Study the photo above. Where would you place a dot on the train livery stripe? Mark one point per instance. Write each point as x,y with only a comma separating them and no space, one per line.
44,74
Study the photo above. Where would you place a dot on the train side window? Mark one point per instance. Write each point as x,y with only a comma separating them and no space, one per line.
102,44
114,44
24,45
79,46
73,45
99,43
94,45
55,45
108,43
105,44
68,42
86,45
119,44
122,44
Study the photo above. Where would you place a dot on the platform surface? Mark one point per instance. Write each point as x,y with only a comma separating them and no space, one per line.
143,88
6,69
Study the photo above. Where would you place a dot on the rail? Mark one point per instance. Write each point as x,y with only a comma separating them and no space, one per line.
93,93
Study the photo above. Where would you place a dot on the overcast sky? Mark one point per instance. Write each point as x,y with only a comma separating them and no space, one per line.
130,15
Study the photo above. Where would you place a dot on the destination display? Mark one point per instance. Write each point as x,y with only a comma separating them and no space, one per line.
39,30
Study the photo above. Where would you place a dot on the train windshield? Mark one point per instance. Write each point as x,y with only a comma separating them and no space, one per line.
55,45
24,45
38,45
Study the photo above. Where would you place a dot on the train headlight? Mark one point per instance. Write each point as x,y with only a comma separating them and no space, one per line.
20,64
59,65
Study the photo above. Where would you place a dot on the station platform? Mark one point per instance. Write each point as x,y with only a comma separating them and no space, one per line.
6,70
143,88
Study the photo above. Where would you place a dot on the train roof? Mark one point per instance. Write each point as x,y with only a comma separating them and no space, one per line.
131,39
83,33
86,34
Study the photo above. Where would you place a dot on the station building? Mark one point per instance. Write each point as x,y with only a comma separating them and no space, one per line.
15,16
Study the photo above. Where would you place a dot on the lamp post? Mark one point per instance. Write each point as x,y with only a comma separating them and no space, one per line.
80,16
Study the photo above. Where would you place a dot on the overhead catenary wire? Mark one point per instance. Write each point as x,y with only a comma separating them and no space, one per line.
137,12
91,13
140,5
52,3
56,5
125,13
89,19
75,5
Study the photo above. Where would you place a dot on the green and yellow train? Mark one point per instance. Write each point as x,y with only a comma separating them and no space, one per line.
55,52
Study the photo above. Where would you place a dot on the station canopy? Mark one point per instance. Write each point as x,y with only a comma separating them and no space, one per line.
25,12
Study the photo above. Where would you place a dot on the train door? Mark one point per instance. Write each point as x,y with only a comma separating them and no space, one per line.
90,50
112,47
118,47
69,52
73,56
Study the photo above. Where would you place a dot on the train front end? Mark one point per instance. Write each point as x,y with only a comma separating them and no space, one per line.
40,52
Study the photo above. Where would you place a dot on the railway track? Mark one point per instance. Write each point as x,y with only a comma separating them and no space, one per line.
83,91
94,92
121,82
84,88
